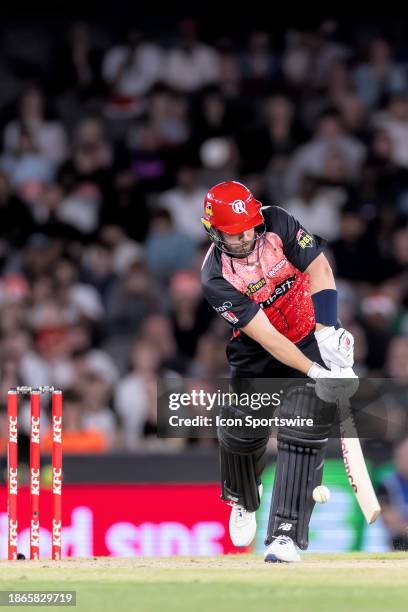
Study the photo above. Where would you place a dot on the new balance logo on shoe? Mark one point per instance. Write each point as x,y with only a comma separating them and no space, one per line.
285,526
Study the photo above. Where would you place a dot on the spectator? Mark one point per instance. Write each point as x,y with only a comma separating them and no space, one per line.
87,179
190,65
308,56
379,176
78,301
136,391
97,415
337,86
77,65
130,300
150,162
395,123
167,249
168,115
209,361
16,220
330,136
397,359
78,438
356,254
47,137
276,138
318,208
379,76
213,119
130,69
157,329
26,168
184,202
230,81
393,496
259,64
190,314
98,269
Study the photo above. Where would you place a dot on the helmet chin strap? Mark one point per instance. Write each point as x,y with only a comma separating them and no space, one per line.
223,246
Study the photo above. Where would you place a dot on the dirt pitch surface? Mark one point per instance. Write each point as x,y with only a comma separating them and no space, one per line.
232,583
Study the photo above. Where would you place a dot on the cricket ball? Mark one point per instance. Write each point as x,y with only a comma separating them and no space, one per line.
321,494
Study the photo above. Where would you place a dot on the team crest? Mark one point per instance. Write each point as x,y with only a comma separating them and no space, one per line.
239,207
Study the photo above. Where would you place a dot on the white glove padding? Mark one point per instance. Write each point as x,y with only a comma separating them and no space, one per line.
334,386
336,346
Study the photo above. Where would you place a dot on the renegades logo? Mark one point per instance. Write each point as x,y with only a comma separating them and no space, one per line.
254,287
239,207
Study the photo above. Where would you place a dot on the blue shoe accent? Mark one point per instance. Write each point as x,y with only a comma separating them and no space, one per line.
272,559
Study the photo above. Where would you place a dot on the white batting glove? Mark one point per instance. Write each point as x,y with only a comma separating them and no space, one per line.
336,346
336,385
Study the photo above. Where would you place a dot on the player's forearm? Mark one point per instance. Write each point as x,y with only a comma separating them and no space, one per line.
321,280
288,353
261,330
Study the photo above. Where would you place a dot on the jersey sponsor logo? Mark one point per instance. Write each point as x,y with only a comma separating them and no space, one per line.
277,267
239,207
256,286
280,290
223,307
304,239
230,317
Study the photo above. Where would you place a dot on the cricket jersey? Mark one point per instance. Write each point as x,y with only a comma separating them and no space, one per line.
271,278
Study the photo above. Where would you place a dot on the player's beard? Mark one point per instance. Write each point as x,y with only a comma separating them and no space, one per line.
243,249
253,251
251,247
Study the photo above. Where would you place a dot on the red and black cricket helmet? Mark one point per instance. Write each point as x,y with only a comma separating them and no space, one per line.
230,208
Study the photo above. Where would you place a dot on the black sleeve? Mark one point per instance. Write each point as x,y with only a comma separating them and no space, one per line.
235,307
299,245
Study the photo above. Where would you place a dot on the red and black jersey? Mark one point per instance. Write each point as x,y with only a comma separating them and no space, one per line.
271,278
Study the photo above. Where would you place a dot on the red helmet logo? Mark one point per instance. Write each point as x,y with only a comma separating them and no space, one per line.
230,207
238,206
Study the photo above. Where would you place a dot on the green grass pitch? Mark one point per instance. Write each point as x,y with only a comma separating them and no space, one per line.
329,583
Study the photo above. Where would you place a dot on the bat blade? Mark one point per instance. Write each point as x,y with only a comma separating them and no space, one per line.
356,468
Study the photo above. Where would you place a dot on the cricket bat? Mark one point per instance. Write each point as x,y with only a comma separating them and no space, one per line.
355,465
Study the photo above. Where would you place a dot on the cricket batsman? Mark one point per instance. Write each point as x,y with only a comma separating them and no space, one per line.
268,277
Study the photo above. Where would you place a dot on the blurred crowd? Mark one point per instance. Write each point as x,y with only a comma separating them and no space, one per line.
108,145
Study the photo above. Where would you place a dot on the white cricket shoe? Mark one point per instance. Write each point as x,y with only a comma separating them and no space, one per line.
242,524
282,550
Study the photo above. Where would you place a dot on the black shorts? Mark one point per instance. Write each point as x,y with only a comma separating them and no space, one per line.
263,365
